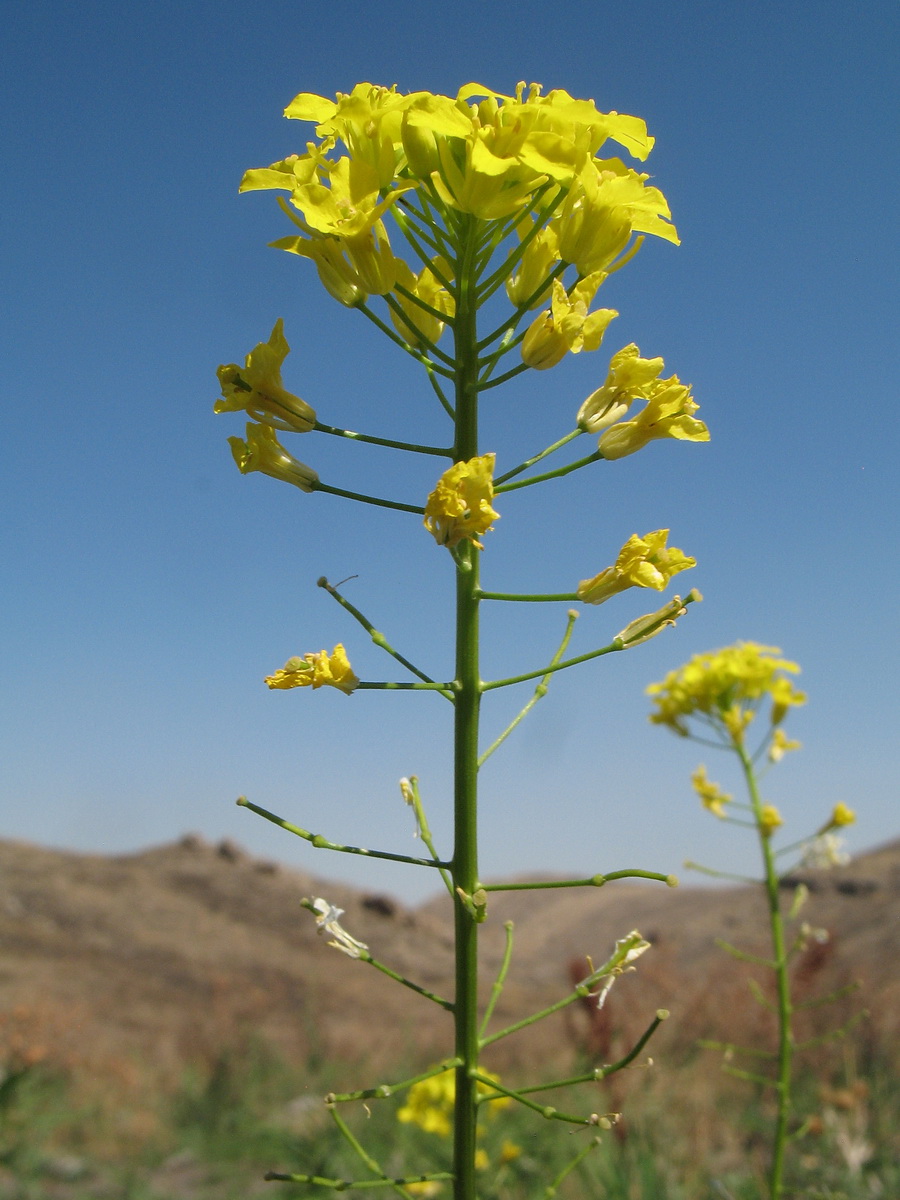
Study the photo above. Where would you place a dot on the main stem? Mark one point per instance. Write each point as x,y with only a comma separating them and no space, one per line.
465,742
779,956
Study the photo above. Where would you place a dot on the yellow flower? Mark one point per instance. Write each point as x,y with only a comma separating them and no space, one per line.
417,326
628,380
567,325
784,696
770,819
460,506
257,388
481,1160
668,413
481,181
345,200
643,562
711,795
781,744
367,120
429,1103
841,815
725,686
316,670
336,273
509,1151
529,284
603,207
371,255
263,452
736,719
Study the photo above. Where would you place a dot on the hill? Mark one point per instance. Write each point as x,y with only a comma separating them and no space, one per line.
153,959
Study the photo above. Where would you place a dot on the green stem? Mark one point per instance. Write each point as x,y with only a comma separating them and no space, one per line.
539,692
423,344
497,987
465,739
557,474
425,307
378,441
545,598
690,865
366,1158
384,1090
612,648
486,384
529,462
599,1073
592,881
535,1017
344,1185
570,1167
785,1032
397,340
363,499
424,832
390,685
366,957
321,843
439,392
548,1111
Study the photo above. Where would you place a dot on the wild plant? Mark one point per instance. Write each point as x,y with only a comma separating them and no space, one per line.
504,208
717,699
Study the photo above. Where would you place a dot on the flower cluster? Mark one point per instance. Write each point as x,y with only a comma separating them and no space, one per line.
256,388
711,795
530,159
725,689
459,508
668,411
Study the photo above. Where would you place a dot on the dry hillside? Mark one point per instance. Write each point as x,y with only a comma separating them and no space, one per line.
152,958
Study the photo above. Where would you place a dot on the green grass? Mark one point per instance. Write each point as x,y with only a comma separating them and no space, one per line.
230,1120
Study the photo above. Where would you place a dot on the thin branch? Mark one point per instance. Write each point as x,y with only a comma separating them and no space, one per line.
318,842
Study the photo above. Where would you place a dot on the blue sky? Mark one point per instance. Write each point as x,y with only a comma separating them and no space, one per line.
149,587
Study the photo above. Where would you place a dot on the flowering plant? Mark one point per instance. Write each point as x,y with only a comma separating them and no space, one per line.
721,699
420,212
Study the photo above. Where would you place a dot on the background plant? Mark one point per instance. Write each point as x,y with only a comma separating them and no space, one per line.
716,699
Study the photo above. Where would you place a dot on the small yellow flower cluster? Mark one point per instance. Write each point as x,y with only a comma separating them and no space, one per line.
724,688
669,410
770,819
459,508
256,388
530,157
642,562
841,815
429,1103
711,795
316,670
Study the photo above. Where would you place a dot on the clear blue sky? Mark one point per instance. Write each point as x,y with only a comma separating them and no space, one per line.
148,587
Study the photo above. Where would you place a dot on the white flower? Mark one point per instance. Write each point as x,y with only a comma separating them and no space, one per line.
824,851
328,922
627,949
